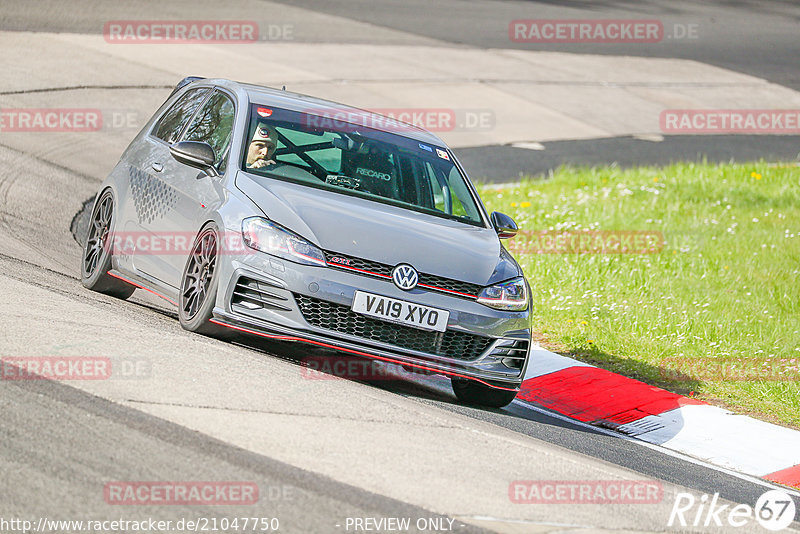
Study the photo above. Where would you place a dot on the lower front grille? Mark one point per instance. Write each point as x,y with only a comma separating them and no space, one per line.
339,318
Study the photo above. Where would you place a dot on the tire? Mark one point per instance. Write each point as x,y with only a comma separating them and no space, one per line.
96,256
199,284
474,393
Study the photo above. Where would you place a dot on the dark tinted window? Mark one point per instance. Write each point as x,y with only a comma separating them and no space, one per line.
355,159
171,125
213,124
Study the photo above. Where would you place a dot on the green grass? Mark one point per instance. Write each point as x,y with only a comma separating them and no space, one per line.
725,285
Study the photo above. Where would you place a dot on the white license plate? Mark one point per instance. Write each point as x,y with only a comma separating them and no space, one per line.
400,311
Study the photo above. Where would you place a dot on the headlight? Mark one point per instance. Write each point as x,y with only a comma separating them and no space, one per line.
509,296
271,238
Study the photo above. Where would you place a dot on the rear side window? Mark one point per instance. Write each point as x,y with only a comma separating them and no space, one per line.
171,125
213,124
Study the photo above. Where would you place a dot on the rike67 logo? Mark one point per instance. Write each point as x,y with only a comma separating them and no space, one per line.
774,510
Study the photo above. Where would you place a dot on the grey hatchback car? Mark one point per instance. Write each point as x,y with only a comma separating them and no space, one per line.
267,213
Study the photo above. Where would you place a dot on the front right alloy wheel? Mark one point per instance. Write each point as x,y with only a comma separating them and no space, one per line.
96,257
471,392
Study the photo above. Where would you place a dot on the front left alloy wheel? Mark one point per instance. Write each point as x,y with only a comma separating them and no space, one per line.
199,285
473,393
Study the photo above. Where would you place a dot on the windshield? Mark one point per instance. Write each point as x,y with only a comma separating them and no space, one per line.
346,158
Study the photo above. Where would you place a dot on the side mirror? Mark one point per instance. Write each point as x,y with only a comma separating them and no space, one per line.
195,154
503,225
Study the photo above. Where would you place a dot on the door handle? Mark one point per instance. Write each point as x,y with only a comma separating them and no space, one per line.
158,167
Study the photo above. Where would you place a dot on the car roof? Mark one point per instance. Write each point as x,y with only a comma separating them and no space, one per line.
289,100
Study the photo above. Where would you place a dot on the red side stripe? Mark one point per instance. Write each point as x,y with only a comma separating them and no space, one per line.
787,477
591,395
140,286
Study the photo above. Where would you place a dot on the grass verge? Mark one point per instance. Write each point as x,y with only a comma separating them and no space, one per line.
710,310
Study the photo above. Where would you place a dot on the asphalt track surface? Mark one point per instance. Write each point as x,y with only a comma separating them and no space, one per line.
755,37
484,161
320,451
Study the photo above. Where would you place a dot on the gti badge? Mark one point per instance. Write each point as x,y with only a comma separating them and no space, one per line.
340,261
405,277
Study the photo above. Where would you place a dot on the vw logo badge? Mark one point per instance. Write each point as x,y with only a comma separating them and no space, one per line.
405,277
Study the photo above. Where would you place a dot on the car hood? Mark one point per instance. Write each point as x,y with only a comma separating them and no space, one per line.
379,232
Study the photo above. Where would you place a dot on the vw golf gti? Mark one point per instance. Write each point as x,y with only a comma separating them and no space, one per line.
262,212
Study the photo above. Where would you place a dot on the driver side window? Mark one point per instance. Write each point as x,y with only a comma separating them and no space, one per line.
213,124
171,125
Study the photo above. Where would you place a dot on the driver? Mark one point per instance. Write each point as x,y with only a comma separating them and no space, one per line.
262,147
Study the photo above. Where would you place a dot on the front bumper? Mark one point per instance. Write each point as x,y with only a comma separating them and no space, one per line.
261,295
